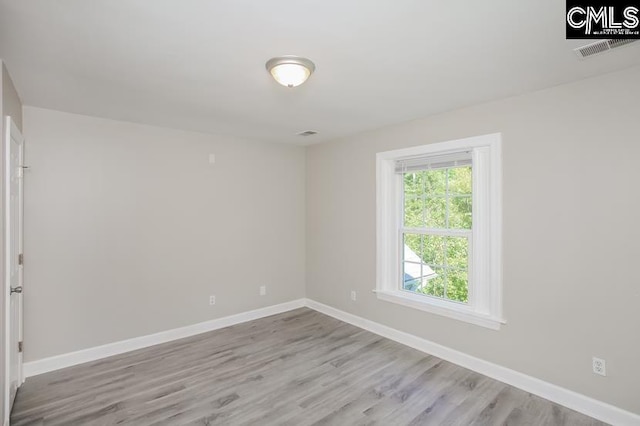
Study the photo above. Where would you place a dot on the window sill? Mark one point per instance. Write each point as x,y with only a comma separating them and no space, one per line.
440,307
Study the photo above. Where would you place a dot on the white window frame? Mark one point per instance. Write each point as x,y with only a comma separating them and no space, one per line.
485,272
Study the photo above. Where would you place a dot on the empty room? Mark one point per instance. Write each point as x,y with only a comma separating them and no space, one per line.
320,213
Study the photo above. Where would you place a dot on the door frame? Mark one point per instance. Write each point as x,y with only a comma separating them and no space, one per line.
11,129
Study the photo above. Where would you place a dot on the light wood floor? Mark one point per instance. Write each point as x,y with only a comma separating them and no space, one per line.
296,368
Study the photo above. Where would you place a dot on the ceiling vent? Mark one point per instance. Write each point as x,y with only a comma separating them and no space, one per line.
308,133
600,47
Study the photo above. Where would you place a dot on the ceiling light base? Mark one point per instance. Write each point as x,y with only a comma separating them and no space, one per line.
290,71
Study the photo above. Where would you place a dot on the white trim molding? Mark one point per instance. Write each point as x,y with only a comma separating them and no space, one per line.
33,368
484,153
440,307
570,399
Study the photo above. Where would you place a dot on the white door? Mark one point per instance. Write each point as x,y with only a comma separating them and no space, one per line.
14,151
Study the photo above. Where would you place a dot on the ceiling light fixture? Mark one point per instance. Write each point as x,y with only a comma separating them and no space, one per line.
290,71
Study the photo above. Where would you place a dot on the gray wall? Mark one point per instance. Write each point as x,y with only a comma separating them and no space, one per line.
11,105
571,203
129,229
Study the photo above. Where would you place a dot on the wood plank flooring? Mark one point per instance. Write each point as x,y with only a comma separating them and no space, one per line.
296,368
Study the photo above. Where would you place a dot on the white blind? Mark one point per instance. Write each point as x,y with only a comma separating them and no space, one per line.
431,162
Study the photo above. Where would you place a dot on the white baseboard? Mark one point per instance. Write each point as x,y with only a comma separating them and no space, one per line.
45,365
573,400
570,399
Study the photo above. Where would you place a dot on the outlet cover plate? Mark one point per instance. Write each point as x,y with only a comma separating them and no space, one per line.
599,366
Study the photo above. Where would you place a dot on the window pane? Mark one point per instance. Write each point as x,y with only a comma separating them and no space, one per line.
413,248
437,266
445,195
435,211
459,212
433,250
435,182
457,252
413,267
412,273
457,286
460,181
413,212
434,286
414,184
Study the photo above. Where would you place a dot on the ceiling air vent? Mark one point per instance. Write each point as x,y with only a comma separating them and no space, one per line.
600,47
308,133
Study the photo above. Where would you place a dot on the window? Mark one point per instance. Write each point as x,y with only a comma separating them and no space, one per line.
439,229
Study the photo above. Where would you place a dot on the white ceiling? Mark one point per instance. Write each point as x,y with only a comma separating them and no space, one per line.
199,64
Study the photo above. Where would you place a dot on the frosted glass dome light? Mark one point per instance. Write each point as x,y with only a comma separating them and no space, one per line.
290,71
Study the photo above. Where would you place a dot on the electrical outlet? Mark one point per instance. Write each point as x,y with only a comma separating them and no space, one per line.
353,295
599,366
212,300
263,290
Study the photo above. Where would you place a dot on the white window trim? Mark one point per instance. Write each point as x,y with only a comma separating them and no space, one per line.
485,308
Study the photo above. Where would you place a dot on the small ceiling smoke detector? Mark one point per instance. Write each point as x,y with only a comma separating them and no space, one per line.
308,133
290,71
601,47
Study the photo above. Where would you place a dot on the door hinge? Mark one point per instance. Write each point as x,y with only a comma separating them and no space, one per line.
21,259
19,346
